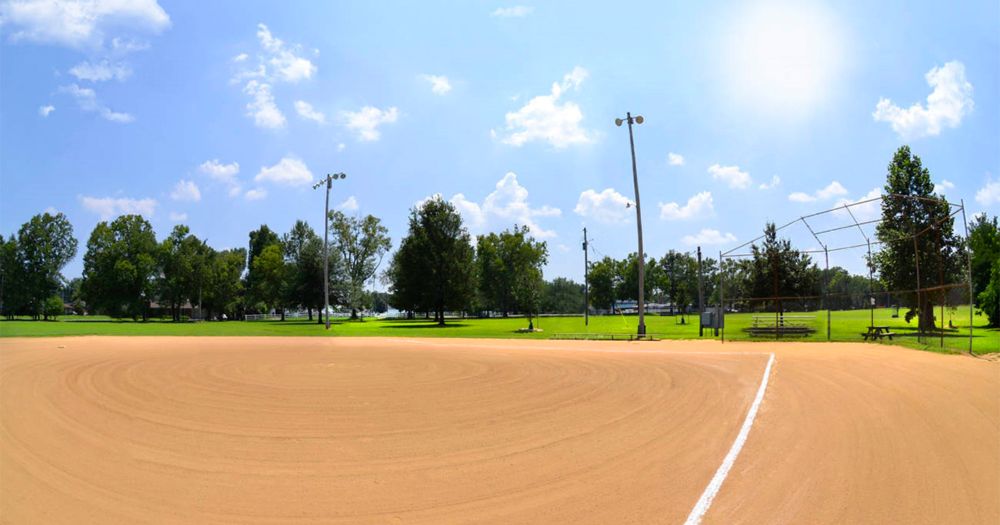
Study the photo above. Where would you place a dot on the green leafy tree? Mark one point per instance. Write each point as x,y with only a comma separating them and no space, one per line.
984,246
224,284
680,273
777,270
270,280
12,289
120,267
506,263
45,244
989,298
603,279
433,268
361,244
185,262
916,229
628,278
53,307
260,239
562,296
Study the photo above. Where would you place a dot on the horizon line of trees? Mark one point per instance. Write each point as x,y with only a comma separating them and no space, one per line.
438,268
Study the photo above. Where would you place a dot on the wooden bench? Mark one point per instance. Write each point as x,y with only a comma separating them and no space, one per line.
878,332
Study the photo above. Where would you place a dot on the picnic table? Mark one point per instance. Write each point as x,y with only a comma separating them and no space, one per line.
878,332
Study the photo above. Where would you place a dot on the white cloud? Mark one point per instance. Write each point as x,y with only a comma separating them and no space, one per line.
731,175
306,111
109,207
365,122
545,119
341,147
862,212
255,194
608,206
284,64
87,101
79,24
944,186
697,207
949,101
45,110
241,57
349,204
186,190
775,182
440,85
100,71
708,236
262,108
834,189
675,159
178,217
517,11
224,173
289,171
505,206
989,194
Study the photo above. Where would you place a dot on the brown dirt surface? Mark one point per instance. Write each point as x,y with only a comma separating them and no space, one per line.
340,430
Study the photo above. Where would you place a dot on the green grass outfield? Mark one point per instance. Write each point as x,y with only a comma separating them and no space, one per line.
845,326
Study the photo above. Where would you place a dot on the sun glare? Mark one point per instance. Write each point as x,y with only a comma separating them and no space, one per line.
782,58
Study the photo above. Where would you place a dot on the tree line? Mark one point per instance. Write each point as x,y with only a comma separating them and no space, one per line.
439,267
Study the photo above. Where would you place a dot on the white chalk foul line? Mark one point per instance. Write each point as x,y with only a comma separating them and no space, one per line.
705,501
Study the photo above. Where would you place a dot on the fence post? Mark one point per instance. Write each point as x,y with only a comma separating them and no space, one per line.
826,291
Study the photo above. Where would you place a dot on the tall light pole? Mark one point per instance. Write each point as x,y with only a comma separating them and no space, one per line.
328,182
638,221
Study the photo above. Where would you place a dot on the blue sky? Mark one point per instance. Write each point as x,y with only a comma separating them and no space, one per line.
220,114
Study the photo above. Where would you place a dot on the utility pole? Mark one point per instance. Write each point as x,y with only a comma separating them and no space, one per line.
586,283
328,182
638,221
701,295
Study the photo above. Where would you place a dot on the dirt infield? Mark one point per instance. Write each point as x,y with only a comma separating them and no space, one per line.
273,430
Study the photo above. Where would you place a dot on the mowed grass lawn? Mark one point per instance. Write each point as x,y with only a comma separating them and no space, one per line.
845,326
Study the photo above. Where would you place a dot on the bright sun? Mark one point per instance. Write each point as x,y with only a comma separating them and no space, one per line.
782,58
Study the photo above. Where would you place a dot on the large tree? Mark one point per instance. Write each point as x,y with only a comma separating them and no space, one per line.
11,285
984,246
185,263
917,236
779,272
120,267
303,250
270,279
603,279
680,273
45,244
224,284
361,244
562,296
509,270
260,239
433,268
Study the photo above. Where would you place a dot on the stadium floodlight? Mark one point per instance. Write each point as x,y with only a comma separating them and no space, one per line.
638,221
328,182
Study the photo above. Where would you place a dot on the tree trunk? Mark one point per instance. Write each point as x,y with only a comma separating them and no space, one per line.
282,314
354,314
310,310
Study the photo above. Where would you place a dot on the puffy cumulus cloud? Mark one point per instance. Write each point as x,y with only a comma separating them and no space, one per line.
950,100
516,11
608,206
79,23
283,62
46,110
944,186
545,119
306,111
834,189
109,207
255,194
866,208
349,204
100,71
989,194
289,171
708,236
731,175
675,159
505,206
774,183
262,108
277,62
178,216
86,100
698,206
224,173
186,190
440,85
366,121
